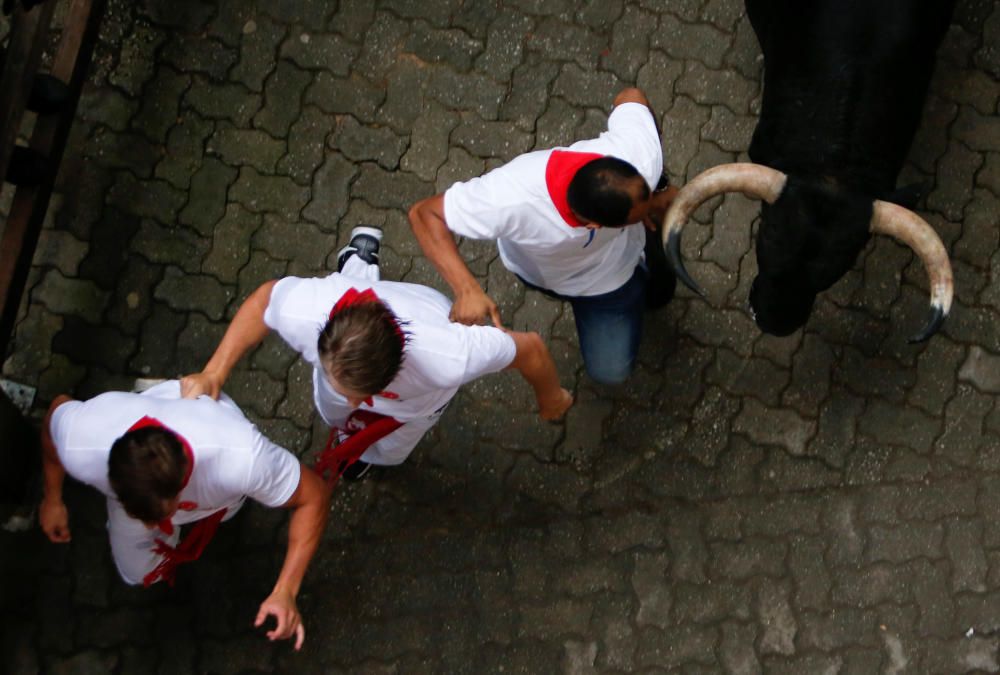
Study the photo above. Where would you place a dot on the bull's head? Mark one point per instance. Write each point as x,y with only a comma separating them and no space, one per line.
809,237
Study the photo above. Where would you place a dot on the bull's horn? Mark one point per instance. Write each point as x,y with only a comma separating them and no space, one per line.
754,180
915,232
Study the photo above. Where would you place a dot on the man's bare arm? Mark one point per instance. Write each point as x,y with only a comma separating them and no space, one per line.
535,364
52,514
311,504
438,244
245,332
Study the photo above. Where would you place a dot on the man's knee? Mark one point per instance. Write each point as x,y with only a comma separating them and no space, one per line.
606,371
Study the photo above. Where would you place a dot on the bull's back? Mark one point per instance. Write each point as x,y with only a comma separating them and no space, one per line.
844,84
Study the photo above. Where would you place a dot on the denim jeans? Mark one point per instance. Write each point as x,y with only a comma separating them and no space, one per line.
609,327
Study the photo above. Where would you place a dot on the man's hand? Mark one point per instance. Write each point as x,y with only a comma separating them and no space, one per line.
471,306
554,409
281,605
54,520
201,384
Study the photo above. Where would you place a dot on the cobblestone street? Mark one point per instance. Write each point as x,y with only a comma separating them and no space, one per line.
827,502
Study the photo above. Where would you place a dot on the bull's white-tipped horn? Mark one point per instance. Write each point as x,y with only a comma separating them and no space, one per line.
754,180
912,230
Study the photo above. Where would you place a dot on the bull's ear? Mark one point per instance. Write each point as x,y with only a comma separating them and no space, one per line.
908,195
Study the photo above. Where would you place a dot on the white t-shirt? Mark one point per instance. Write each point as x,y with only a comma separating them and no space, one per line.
232,459
439,357
512,205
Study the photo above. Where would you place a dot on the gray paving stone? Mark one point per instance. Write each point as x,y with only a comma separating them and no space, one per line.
982,369
184,150
225,259
269,194
76,297
129,152
470,91
684,41
258,38
316,51
931,141
306,145
135,64
504,44
283,91
774,613
389,190
963,426
950,199
330,192
522,105
678,645
165,245
354,96
556,40
205,56
246,147
191,292
216,101
682,124
158,111
722,87
300,242
490,139
207,198
630,37
106,106
368,143
453,47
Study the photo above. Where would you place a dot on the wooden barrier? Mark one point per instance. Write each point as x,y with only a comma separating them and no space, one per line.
70,61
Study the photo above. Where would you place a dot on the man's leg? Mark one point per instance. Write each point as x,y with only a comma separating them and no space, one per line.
360,257
609,327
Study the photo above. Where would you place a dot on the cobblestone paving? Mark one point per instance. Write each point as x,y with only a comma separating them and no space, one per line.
823,503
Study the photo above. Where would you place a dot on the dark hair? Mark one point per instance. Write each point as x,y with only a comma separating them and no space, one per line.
361,347
599,192
146,468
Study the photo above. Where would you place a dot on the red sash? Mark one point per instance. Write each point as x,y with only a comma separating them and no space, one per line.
364,428
200,533
559,172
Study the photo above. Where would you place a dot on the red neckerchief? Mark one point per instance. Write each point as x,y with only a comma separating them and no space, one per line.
368,428
198,536
165,525
559,172
355,297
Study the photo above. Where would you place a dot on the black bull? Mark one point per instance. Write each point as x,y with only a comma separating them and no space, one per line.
844,87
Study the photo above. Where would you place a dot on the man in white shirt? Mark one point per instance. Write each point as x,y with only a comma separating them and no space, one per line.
568,222
163,462
379,350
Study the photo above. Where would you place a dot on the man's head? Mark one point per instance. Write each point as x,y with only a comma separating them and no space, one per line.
361,349
608,192
146,468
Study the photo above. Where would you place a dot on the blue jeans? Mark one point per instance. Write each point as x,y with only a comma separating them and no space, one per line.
609,326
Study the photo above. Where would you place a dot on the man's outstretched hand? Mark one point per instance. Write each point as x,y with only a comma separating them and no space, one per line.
281,605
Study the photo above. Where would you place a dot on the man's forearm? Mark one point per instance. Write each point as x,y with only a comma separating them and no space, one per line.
245,332
305,529
53,472
438,244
